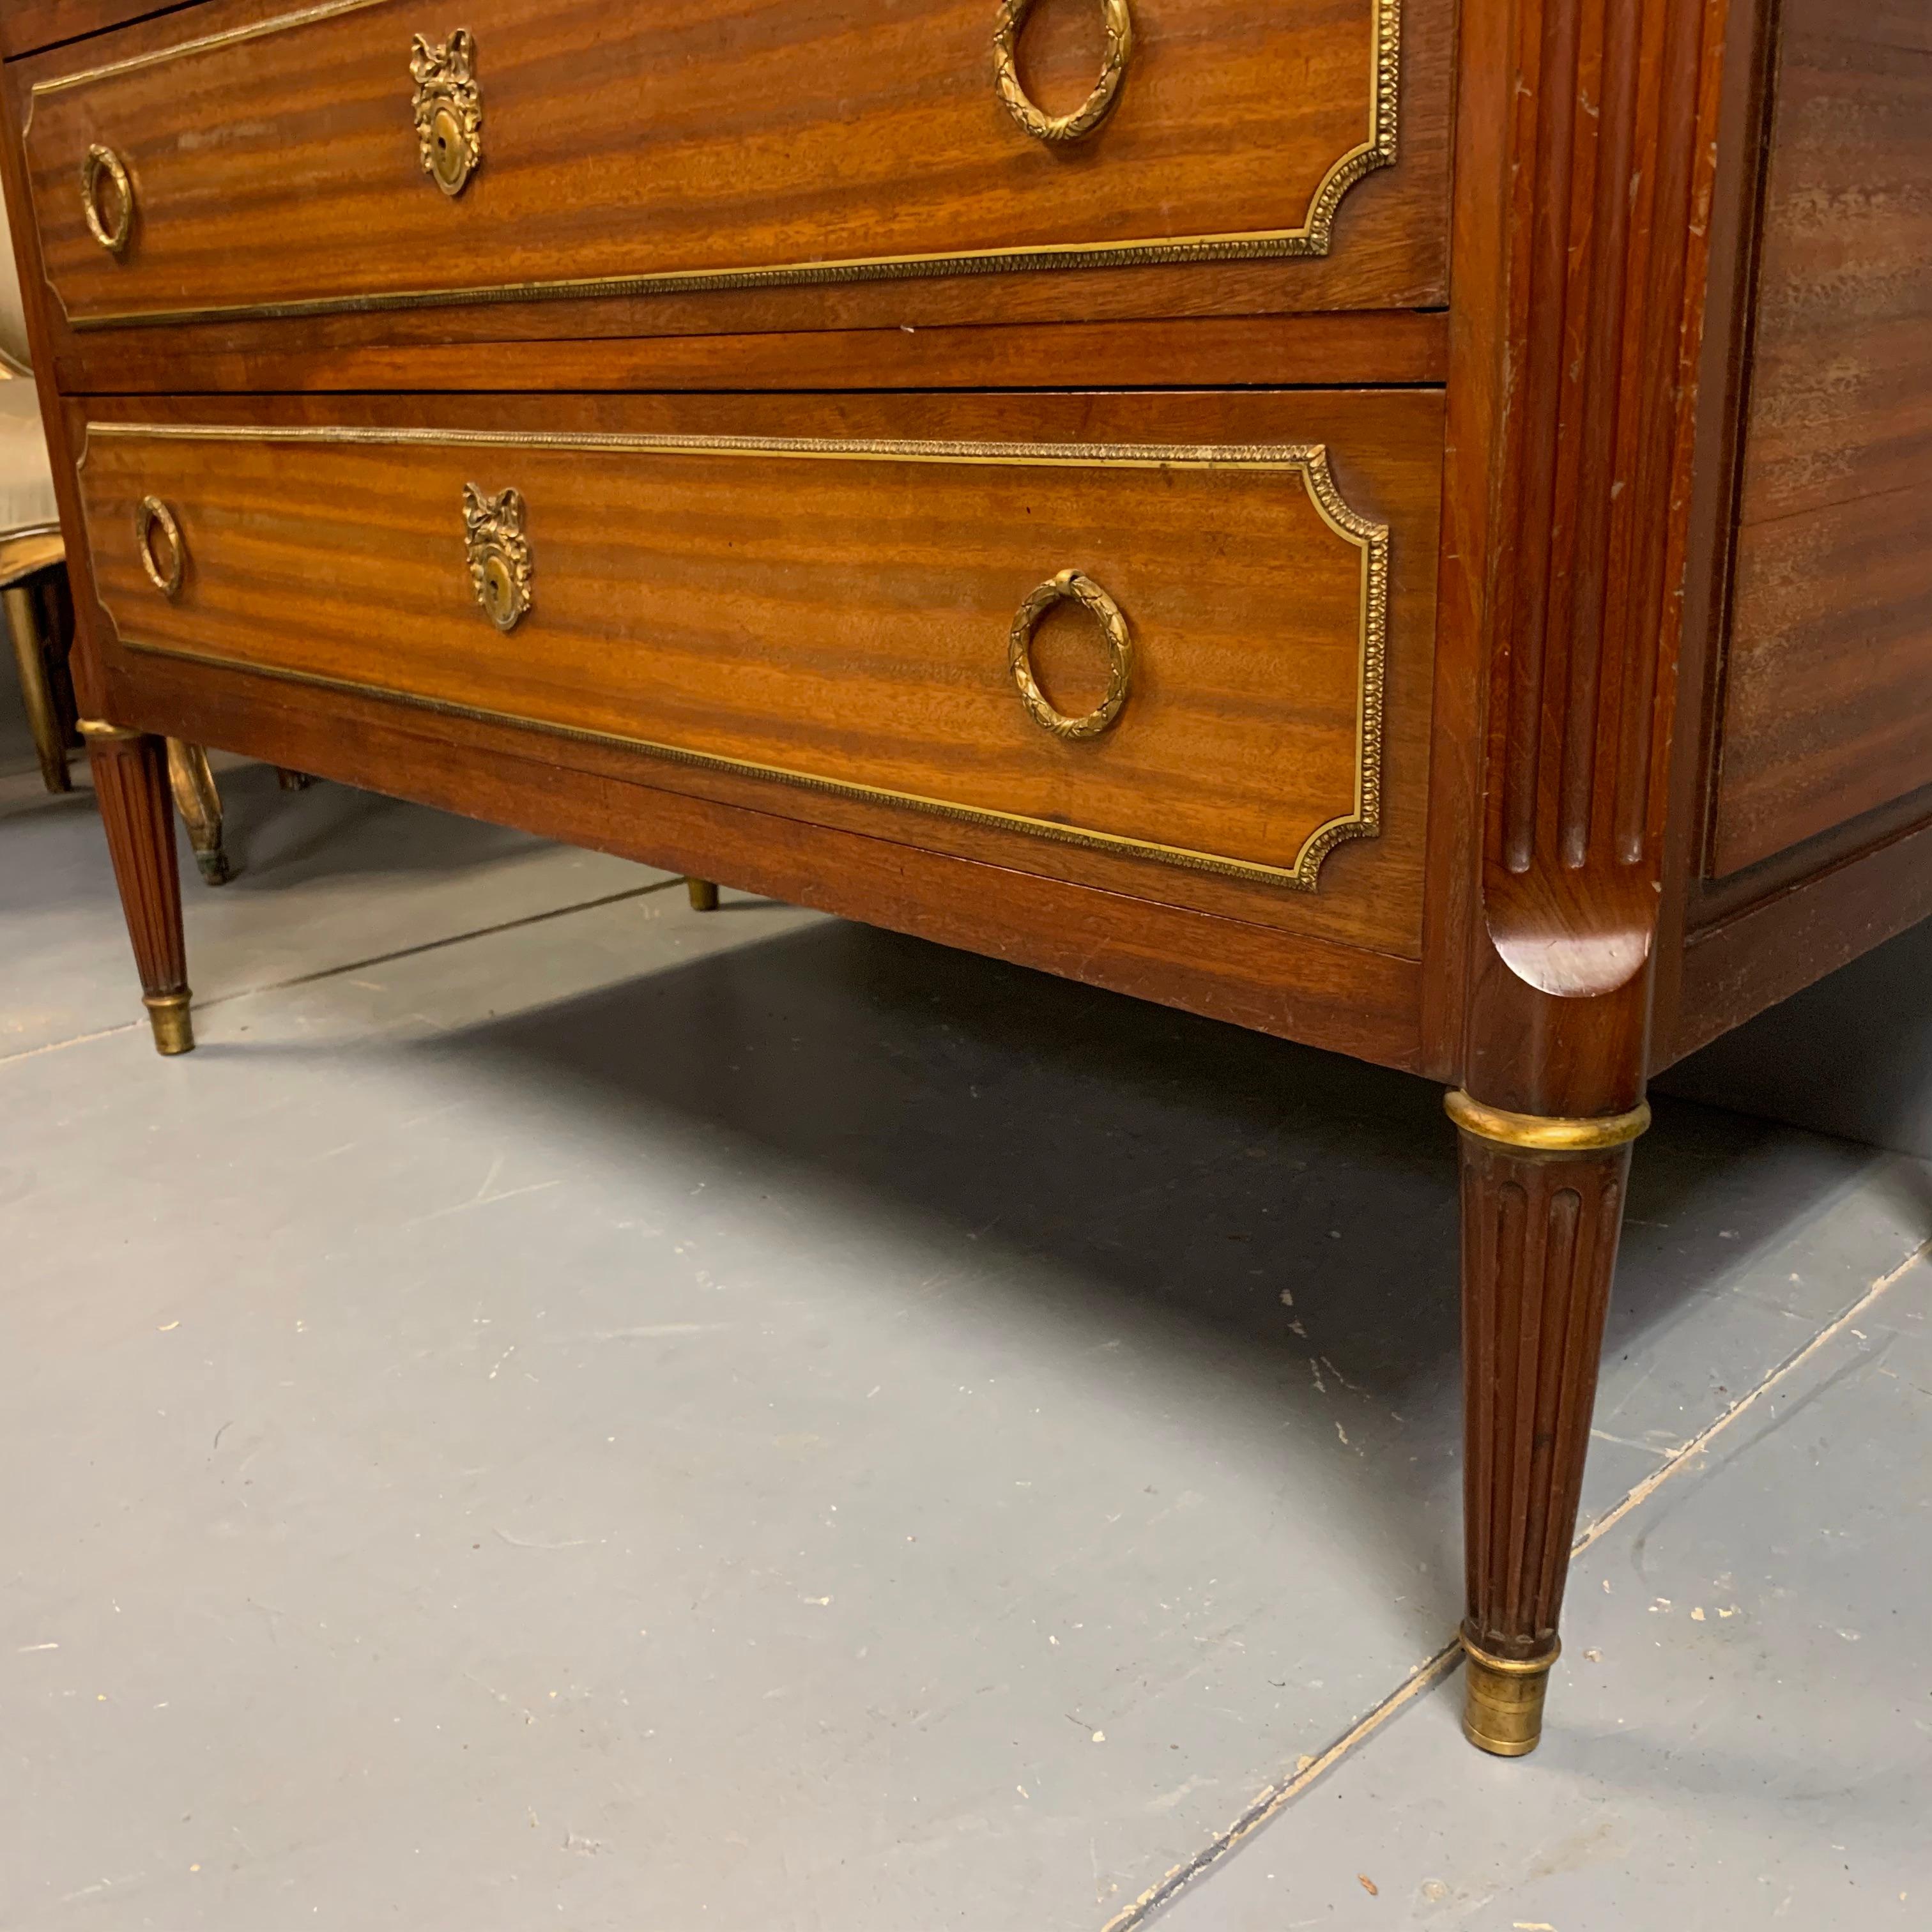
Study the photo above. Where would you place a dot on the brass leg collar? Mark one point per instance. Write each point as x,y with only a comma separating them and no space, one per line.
703,895
167,1012
1502,1706
1545,1134
99,731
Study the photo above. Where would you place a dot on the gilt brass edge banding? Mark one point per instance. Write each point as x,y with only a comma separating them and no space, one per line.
203,43
1545,1134
1308,460
101,731
1313,237
1278,245
967,814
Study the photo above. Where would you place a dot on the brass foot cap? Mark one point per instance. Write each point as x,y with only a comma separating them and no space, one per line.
1502,1709
703,895
168,1014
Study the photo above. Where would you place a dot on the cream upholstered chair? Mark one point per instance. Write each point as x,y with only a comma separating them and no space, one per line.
32,553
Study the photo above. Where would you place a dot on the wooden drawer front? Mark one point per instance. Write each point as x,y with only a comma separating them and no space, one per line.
272,162
836,615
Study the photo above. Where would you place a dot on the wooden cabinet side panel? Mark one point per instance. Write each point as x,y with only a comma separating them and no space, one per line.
1827,704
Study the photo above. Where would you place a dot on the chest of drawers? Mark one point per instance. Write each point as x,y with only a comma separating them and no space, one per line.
1319,512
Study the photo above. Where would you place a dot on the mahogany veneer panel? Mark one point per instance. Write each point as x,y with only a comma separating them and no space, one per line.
1298,987
831,612
1400,347
1827,680
769,140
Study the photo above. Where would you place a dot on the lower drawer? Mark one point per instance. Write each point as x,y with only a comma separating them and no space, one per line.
1163,631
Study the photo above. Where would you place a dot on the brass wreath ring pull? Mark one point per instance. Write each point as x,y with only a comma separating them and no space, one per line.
1084,591
1119,23
150,515
105,161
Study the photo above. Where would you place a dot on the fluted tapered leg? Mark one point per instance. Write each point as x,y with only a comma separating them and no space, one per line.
130,780
1543,1204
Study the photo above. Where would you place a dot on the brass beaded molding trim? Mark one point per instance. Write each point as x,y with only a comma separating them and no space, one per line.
1546,1133
1313,236
1309,461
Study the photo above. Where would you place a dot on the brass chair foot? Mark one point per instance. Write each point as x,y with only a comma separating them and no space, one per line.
703,895
1502,1708
168,1014
198,800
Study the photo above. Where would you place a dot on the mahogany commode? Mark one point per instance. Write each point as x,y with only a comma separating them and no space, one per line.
1318,512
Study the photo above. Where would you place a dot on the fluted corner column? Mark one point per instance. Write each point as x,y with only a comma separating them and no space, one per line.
1543,1204
130,781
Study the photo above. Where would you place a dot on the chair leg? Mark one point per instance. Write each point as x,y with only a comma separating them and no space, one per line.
1543,1204
130,783
703,895
199,802
30,655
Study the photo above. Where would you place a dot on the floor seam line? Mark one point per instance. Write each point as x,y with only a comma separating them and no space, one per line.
358,965
55,1045
1426,1676
1648,1487
433,945
1438,1666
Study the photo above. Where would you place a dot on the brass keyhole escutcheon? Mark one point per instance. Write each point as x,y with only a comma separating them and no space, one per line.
153,519
501,566
449,159
1113,622
110,227
499,591
1118,23
448,109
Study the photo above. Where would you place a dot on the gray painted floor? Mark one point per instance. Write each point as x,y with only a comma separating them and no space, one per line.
566,1411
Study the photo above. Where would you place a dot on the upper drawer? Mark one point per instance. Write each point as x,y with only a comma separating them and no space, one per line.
362,154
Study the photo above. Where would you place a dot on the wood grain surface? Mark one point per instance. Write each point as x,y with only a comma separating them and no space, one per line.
625,138
130,785
26,25
1584,186
1827,708
1540,1235
1290,984
842,617
1400,347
